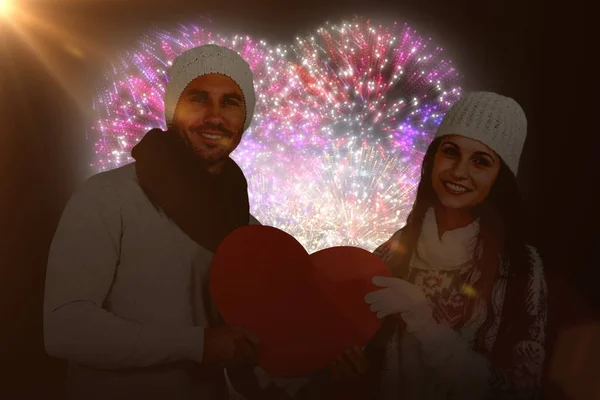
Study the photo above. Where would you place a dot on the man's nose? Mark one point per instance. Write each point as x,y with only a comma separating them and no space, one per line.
214,113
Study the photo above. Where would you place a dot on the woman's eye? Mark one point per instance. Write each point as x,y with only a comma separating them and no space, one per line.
482,162
450,151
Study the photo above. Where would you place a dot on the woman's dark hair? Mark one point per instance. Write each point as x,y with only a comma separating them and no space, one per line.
502,238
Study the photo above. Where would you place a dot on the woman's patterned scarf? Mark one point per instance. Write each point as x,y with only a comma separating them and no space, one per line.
445,270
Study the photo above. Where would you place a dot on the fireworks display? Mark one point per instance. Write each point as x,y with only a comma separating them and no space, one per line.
343,117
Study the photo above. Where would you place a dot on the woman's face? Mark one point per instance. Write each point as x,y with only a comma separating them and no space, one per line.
464,171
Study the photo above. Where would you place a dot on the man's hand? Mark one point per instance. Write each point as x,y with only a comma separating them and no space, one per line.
351,364
229,346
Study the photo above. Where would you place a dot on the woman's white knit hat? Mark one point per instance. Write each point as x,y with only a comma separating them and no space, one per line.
203,60
496,121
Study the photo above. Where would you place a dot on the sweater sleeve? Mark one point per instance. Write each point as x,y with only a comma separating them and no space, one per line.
471,375
82,262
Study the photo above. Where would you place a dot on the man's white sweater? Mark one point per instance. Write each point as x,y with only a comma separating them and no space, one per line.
126,298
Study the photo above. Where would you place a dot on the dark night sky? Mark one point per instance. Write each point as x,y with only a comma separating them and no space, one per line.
503,46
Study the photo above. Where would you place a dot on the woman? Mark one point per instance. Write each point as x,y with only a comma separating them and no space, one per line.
468,292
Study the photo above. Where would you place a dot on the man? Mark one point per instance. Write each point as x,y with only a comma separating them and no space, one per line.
126,297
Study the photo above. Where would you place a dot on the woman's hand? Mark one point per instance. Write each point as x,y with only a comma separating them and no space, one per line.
398,296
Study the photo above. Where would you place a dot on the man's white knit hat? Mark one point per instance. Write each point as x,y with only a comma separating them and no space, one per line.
203,60
496,121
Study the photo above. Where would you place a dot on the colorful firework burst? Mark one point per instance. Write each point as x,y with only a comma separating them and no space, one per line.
342,120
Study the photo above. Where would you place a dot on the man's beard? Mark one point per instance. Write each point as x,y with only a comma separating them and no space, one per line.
208,157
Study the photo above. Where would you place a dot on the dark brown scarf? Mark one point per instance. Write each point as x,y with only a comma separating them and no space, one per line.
205,206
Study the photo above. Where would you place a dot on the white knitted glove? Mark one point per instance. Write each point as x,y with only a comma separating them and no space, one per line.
463,369
401,297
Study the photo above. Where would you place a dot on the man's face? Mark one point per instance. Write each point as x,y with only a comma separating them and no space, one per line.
210,117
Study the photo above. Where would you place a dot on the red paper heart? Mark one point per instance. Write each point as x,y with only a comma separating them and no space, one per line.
306,310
